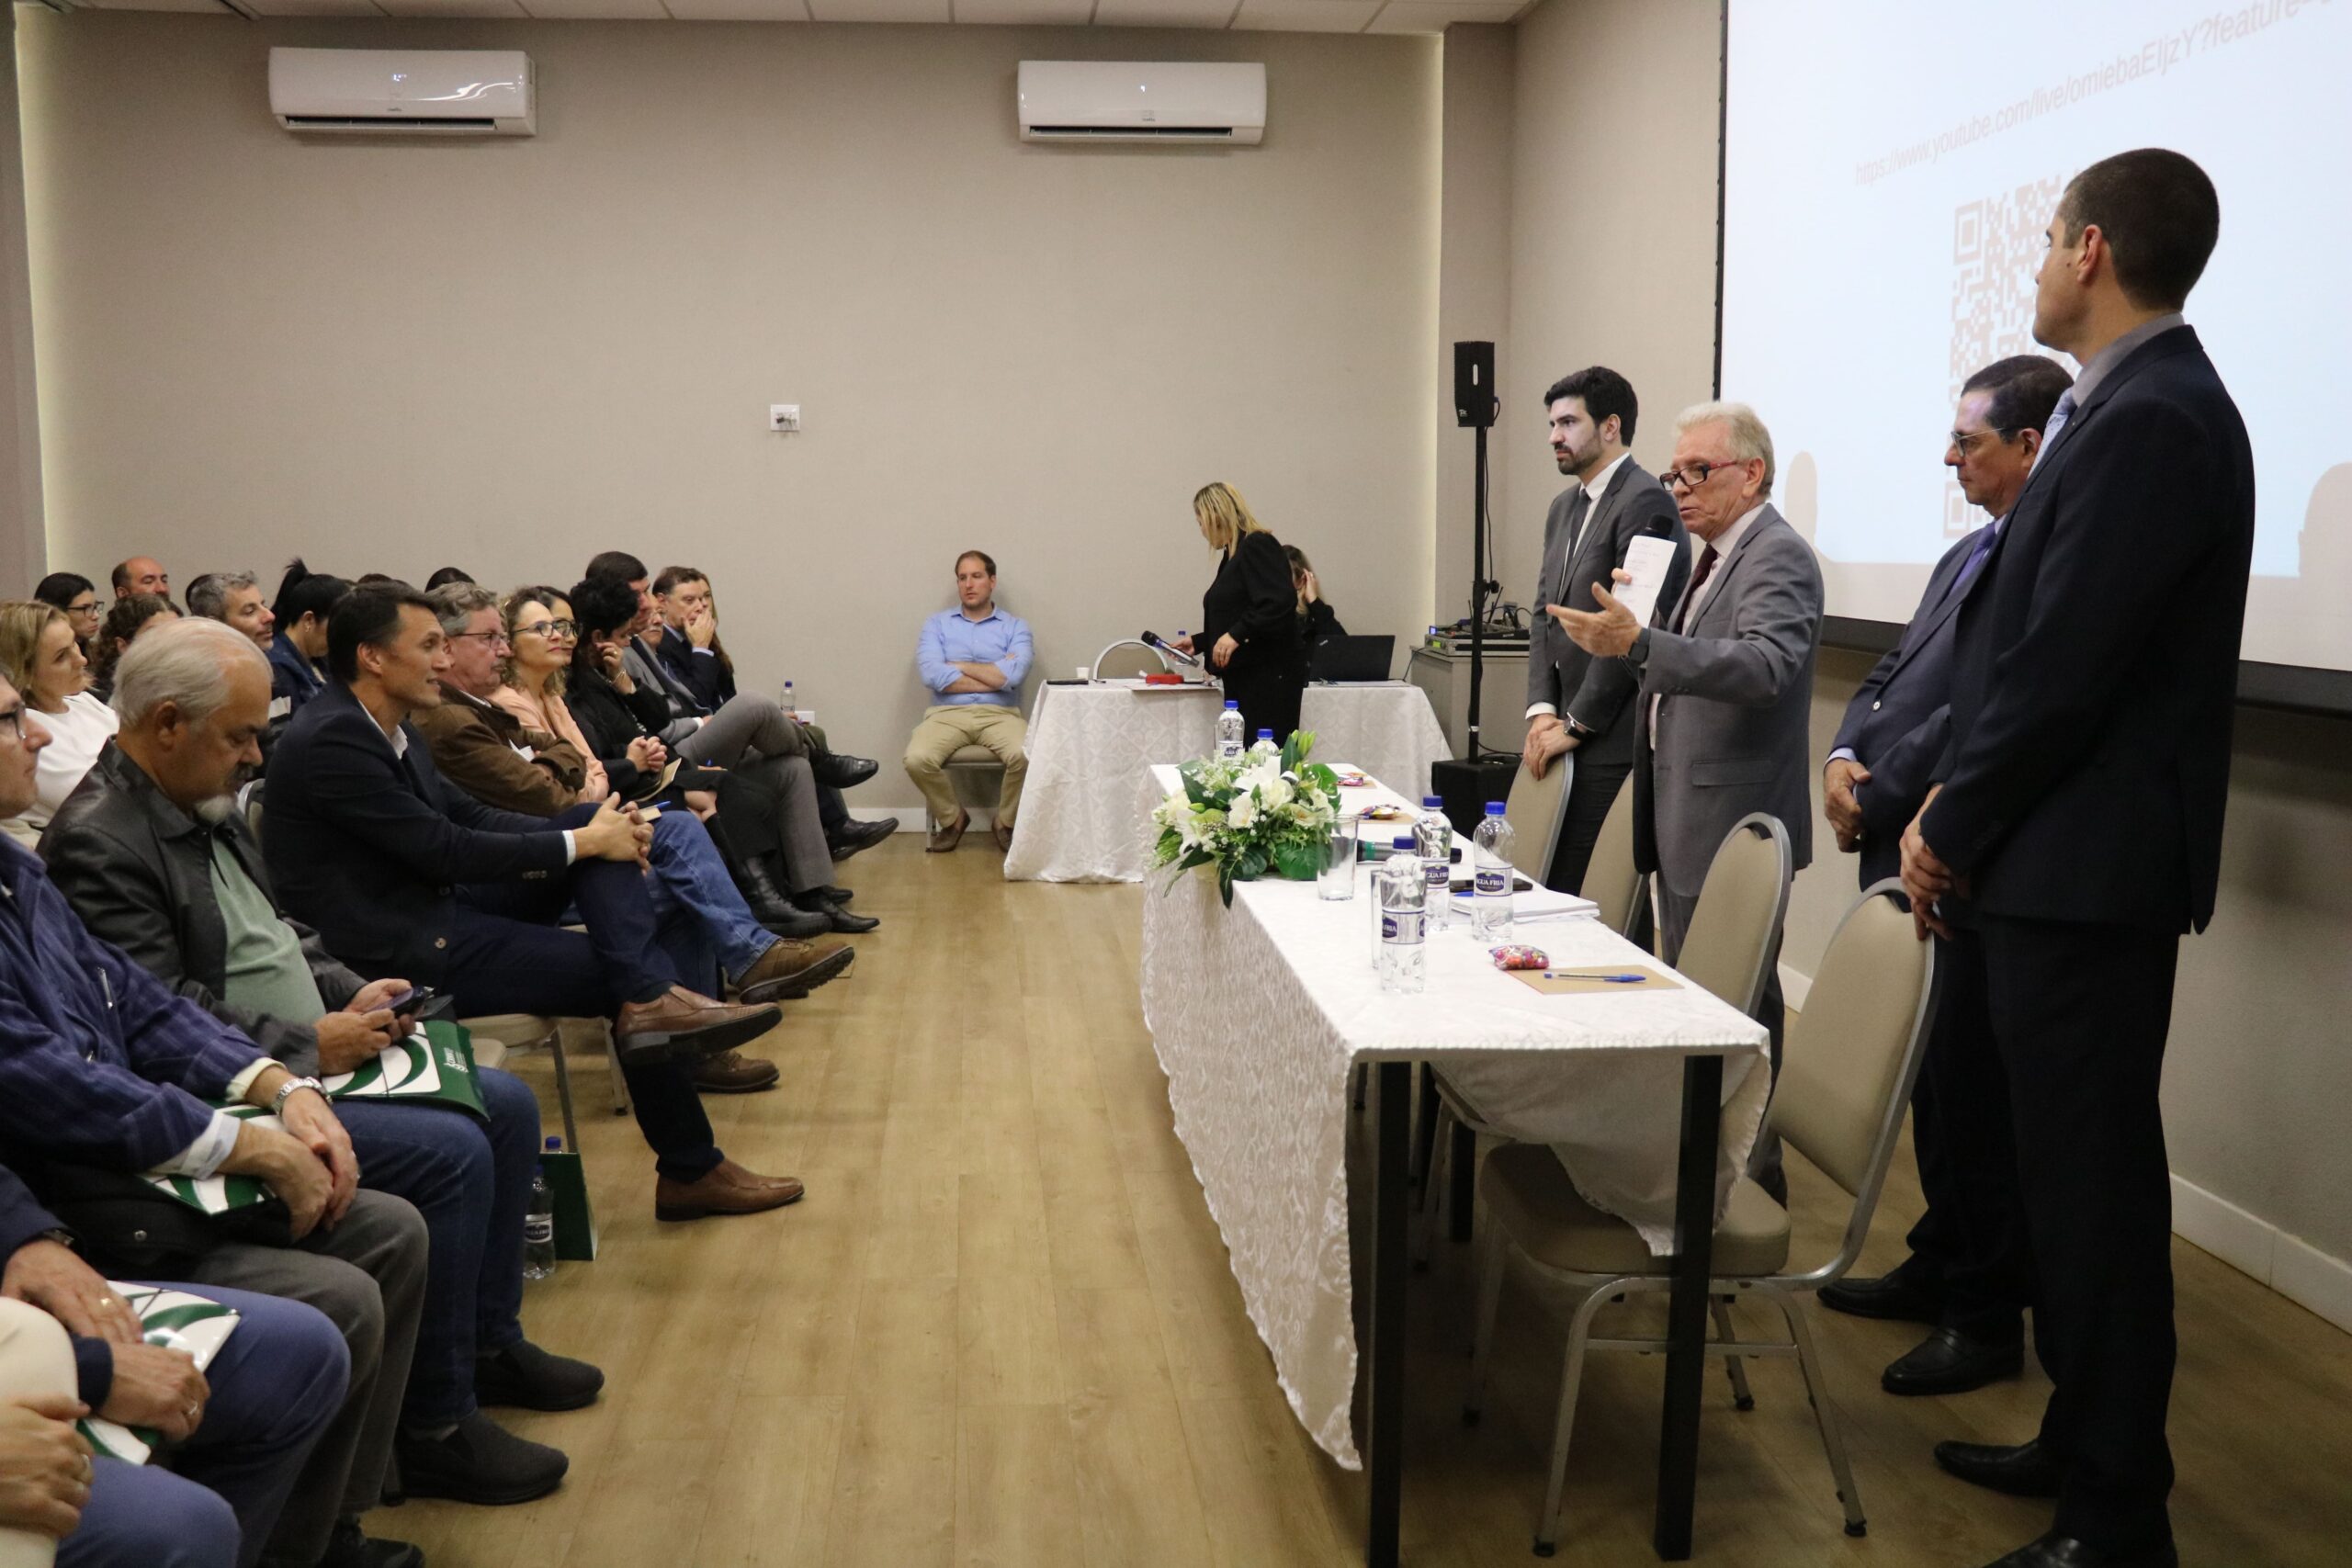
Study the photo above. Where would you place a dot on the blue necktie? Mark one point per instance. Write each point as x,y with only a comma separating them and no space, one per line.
2058,418
1975,561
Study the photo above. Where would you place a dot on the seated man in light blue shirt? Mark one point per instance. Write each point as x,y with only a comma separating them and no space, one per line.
973,658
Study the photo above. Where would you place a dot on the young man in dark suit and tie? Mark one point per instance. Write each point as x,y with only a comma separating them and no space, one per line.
1965,1275
1576,703
2075,831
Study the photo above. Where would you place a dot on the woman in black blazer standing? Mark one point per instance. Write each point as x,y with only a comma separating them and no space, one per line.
1249,615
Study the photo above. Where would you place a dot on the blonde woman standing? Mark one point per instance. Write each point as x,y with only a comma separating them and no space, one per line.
1249,615
41,658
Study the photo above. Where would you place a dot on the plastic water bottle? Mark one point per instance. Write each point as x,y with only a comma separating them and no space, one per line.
1229,731
1490,850
1267,736
791,701
1402,900
1433,842
538,1223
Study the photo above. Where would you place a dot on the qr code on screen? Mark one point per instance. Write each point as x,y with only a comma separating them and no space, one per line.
1997,244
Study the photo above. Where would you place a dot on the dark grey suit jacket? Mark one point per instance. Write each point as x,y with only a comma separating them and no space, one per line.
1900,721
1732,730
1598,692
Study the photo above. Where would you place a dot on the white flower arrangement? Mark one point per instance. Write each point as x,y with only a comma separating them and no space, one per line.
1264,810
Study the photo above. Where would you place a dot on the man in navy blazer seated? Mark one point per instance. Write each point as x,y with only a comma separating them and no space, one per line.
1964,1275
400,874
241,1429
2075,831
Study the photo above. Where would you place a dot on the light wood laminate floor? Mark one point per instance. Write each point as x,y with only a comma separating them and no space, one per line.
1000,1331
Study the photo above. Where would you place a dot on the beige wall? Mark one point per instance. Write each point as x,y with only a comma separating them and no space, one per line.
397,354
1612,233
1473,283
22,546
1613,260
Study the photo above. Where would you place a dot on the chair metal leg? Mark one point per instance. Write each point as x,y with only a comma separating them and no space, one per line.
1547,1527
1462,1181
1438,1123
563,1090
1482,1343
1737,1369
620,1081
1832,1438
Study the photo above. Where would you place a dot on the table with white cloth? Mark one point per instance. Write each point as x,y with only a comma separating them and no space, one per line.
1261,1012
1089,747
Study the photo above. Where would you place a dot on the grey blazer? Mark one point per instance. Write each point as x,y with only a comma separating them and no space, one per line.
1597,690
1732,728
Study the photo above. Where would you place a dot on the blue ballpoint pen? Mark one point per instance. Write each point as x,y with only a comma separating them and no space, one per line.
1612,979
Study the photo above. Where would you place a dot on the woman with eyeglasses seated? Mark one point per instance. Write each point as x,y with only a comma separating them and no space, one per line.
78,597
40,658
125,621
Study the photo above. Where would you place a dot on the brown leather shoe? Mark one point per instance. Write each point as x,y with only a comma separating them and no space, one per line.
728,1188
794,968
680,1025
1004,834
947,835
732,1072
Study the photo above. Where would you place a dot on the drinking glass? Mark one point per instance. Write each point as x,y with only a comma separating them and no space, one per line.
1336,878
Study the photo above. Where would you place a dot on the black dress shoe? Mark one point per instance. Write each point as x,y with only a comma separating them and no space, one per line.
480,1462
528,1378
836,895
837,919
772,907
2055,1550
1949,1361
853,836
2023,1471
348,1547
1892,1296
842,771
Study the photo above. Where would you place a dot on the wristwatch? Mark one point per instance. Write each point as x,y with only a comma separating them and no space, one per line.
278,1102
1582,731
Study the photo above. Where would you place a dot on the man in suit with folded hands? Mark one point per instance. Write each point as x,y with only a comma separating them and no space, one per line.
2075,831
1727,680
1577,703
1965,1275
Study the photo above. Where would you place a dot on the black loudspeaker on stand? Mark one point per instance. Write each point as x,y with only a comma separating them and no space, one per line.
1467,784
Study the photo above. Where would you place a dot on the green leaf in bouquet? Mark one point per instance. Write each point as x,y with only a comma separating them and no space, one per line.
1298,861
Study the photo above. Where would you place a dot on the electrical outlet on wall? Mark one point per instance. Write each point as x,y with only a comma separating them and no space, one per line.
784,418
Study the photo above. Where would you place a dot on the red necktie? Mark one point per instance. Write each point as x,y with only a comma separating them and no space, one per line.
1707,558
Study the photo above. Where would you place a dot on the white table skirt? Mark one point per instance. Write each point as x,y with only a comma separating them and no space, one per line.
1088,745
1259,1013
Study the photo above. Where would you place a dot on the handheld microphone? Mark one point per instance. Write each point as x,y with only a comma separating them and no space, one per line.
1153,639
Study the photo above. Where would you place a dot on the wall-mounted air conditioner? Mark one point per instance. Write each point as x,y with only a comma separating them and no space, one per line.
1089,100
404,92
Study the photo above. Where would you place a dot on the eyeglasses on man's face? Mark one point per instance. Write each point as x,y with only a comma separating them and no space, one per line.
491,638
1691,476
1966,443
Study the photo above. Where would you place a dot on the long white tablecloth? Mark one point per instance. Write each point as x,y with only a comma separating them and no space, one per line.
1259,1012
1090,745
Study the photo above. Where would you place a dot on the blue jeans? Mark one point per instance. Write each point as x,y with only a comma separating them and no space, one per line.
472,1184
277,1384
690,879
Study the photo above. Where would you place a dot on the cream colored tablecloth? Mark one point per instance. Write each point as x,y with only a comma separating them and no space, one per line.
1260,1012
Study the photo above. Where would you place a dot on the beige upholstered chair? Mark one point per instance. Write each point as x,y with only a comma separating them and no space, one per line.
1734,940
1610,878
1735,936
1533,811
1851,1057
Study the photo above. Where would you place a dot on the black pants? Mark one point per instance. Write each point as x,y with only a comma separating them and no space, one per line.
2069,1020
1270,696
1591,791
1969,1246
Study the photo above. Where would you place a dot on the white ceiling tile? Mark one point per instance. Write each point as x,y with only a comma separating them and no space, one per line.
1163,13
878,11
501,10
738,10
313,8
1434,16
1304,16
595,10
1026,13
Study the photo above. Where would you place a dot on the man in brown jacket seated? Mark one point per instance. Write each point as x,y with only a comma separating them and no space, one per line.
488,754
